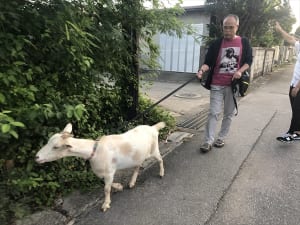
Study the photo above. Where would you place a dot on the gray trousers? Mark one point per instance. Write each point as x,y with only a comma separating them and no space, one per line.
221,97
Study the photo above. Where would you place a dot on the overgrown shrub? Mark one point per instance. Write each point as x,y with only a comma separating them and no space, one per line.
63,61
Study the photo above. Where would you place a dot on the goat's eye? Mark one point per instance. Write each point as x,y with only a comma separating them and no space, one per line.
55,147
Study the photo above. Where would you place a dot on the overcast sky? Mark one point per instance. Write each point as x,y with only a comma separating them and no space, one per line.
295,5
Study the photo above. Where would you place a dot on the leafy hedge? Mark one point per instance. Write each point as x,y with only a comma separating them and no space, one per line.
65,61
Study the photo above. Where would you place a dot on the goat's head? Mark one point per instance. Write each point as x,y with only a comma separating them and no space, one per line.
57,146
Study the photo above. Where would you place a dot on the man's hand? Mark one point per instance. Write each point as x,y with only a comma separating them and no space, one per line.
200,73
294,91
202,70
237,75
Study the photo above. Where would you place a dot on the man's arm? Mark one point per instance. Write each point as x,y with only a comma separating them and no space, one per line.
246,59
243,68
208,61
289,38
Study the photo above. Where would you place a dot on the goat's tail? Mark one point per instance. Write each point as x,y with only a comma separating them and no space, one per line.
159,125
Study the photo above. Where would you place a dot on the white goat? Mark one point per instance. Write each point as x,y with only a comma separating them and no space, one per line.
109,154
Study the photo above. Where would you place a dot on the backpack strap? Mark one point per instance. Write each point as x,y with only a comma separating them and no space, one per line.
233,87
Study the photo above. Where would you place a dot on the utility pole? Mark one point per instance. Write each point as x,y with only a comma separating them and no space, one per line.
131,35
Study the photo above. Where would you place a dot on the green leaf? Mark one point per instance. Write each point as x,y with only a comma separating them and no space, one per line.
6,111
69,114
5,128
33,88
17,124
2,98
67,32
14,134
77,116
19,63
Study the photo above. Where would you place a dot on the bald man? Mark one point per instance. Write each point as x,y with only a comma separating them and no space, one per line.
227,59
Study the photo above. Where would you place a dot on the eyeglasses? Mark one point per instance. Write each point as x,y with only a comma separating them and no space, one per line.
228,27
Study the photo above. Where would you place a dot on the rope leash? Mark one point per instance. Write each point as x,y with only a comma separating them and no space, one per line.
146,111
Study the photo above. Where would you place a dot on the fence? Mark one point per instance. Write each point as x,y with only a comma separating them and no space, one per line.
264,59
180,54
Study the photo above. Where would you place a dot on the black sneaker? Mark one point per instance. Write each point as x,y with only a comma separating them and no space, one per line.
219,143
286,138
205,147
296,136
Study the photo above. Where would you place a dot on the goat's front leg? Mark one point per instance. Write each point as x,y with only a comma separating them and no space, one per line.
107,190
134,176
157,155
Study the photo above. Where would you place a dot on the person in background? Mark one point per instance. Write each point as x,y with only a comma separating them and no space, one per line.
294,94
227,59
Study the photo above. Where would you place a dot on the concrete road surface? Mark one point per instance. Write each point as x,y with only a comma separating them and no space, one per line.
252,180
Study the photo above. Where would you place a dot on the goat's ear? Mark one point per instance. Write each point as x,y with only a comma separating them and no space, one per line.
68,128
66,135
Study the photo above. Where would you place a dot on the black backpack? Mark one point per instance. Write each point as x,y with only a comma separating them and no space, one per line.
241,85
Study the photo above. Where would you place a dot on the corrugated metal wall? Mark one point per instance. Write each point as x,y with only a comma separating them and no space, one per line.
180,54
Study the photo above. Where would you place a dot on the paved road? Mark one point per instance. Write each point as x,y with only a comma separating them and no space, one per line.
252,180
187,101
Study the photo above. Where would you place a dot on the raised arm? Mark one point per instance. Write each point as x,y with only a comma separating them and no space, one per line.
289,38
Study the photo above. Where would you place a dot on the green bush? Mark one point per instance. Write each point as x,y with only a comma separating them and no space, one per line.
63,61
30,187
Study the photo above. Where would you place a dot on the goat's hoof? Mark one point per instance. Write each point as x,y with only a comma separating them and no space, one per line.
105,207
118,187
131,185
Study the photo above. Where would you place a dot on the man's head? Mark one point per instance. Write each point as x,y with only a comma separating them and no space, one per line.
230,26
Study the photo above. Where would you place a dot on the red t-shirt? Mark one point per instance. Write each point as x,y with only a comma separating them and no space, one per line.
228,61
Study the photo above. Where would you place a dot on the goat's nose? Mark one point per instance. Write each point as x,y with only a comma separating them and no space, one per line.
37,157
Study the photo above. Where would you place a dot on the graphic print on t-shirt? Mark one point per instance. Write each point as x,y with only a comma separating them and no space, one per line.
229,60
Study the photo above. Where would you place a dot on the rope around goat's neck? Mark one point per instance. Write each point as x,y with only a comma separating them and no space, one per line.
94,150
